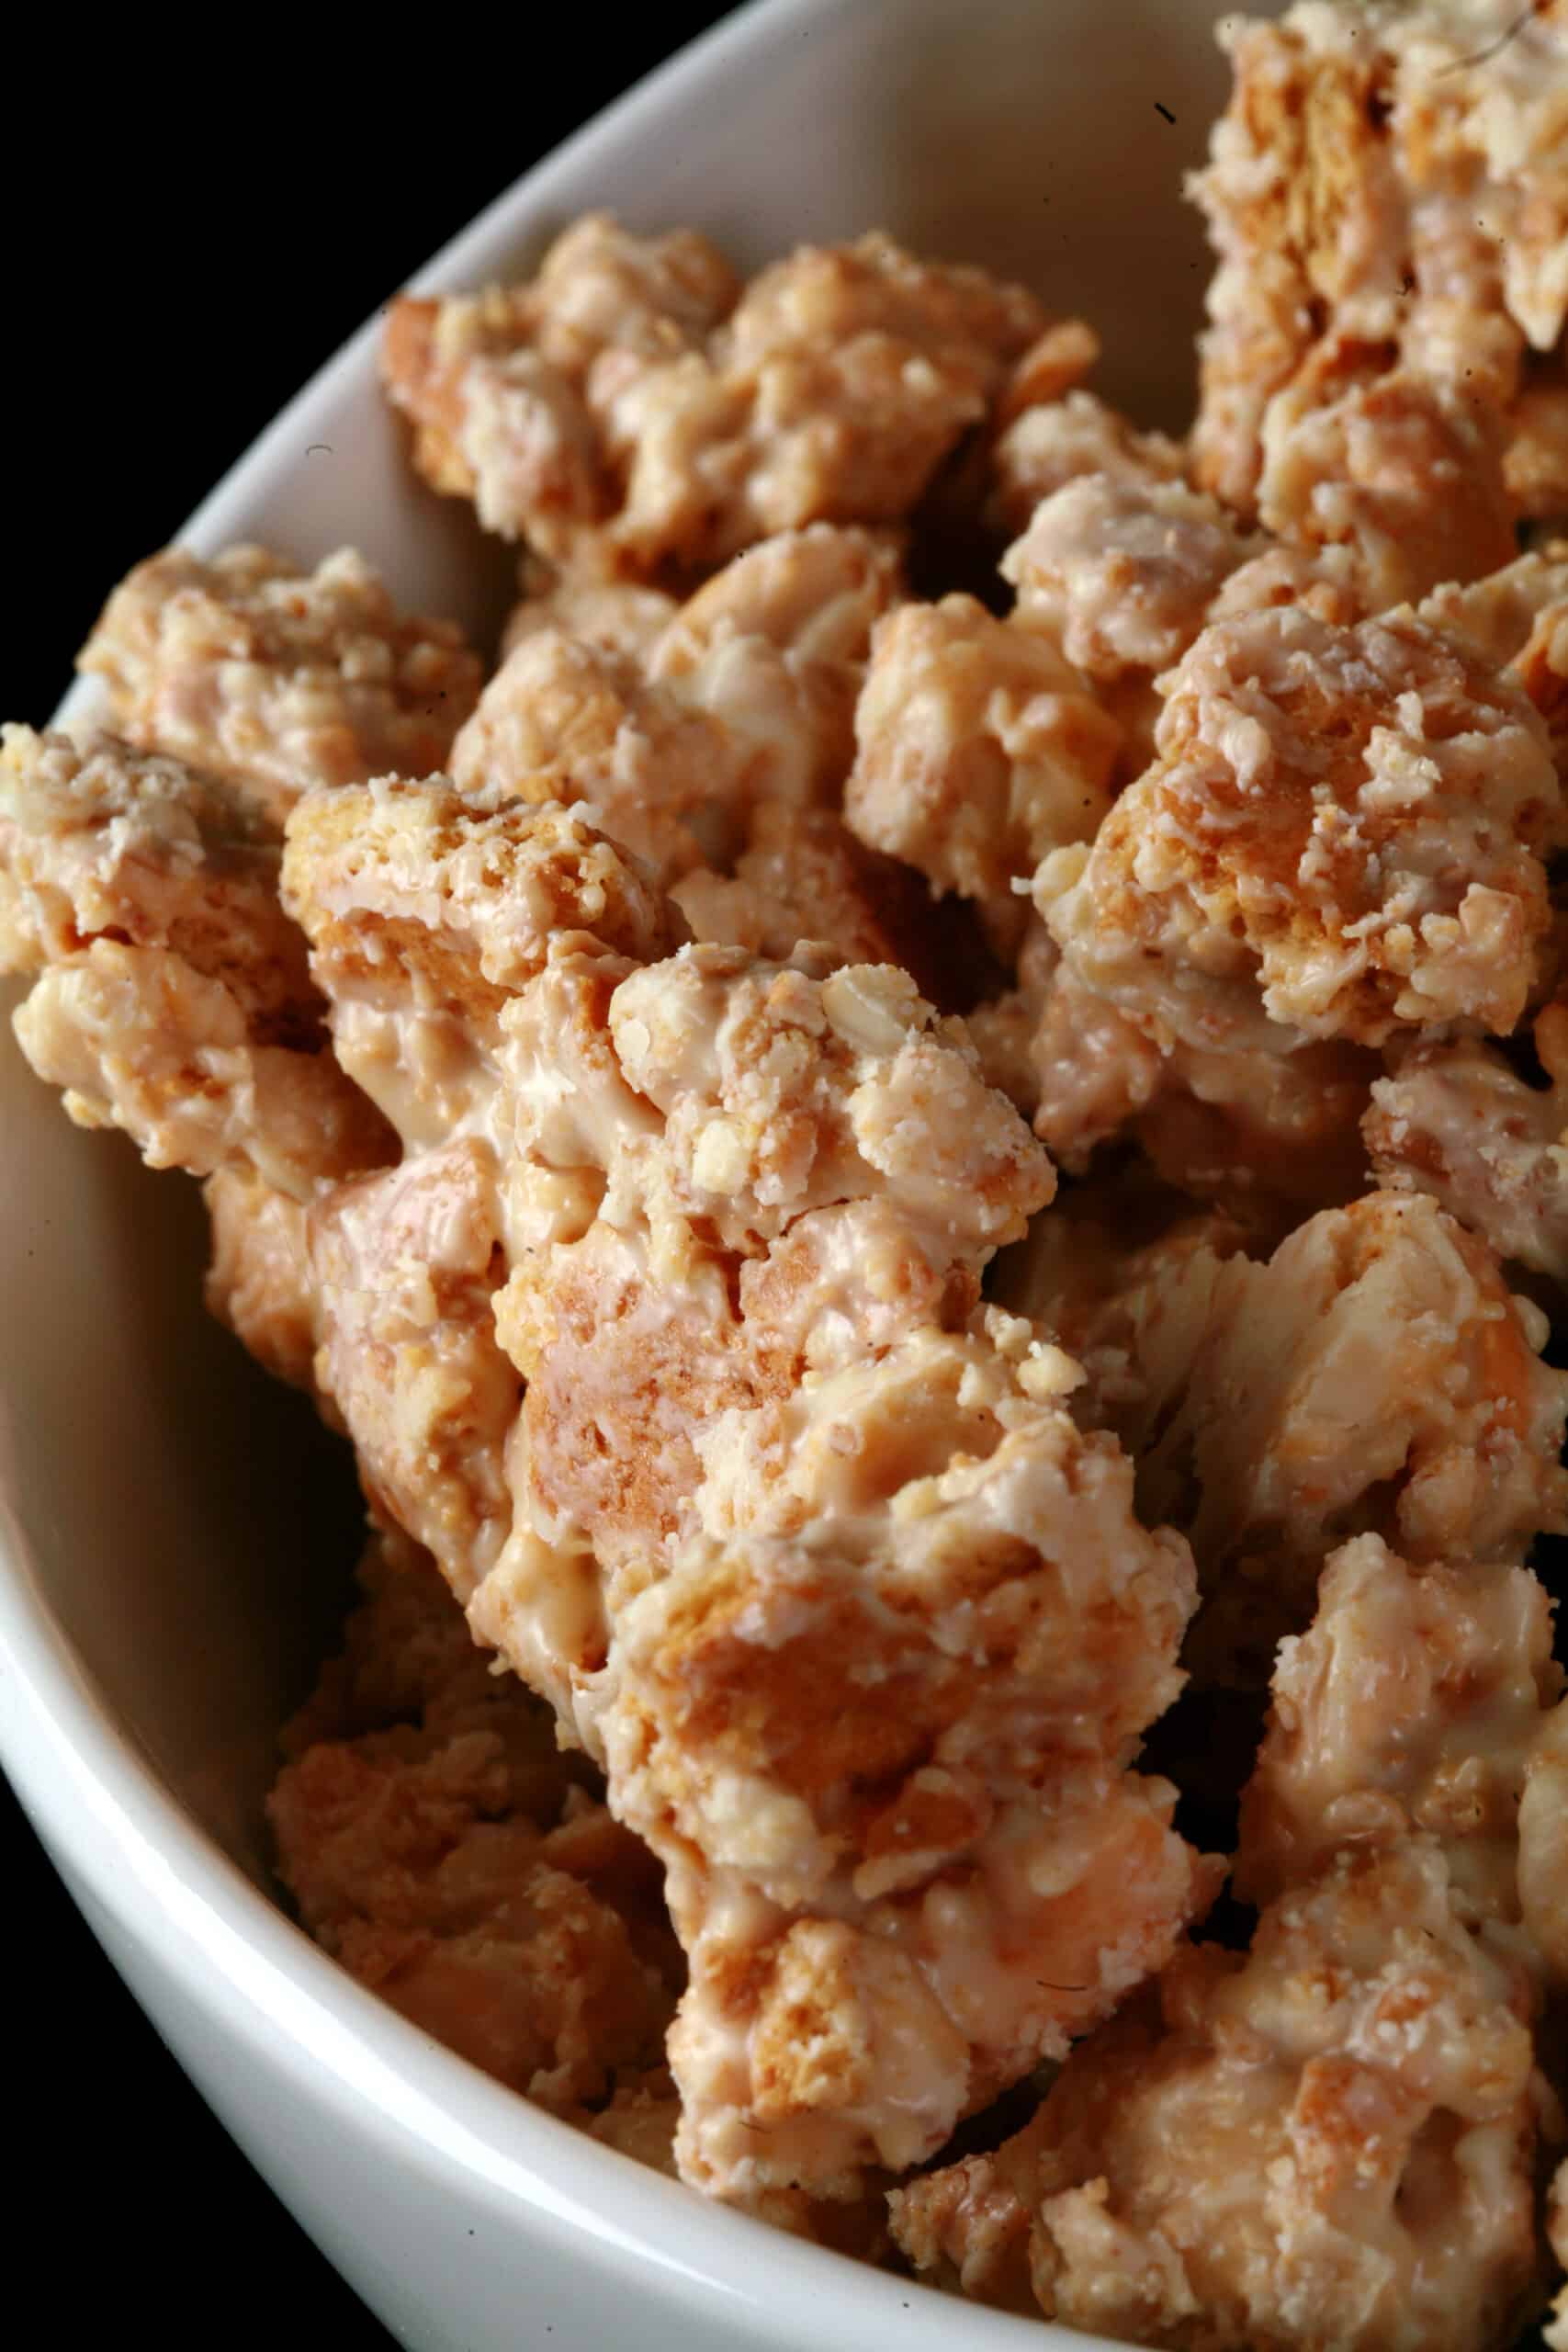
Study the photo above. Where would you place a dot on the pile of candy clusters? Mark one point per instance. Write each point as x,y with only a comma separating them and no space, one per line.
934,1216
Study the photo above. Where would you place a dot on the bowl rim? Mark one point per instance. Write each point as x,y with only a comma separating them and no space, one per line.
125,1843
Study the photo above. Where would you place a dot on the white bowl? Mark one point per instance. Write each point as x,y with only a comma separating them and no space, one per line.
168,1570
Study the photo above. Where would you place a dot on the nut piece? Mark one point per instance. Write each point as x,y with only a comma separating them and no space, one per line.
565,720
258,1280
613,615
1403,475
743,699
404,1267
425,913
804,876
506,389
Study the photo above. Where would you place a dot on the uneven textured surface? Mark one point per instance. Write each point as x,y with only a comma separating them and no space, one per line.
921,1154
279,679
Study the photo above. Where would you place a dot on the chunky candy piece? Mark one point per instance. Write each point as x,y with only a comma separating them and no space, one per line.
1374,1375
279,679
1386,192
1324,2141
437,1842
658,434
978,752
172,997
802,1543
742,1209
1343,833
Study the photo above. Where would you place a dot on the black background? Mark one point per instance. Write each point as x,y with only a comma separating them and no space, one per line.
177,260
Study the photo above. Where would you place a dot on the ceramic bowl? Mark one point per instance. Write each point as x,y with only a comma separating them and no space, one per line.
174,1532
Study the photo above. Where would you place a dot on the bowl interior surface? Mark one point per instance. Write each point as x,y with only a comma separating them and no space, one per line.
182,1525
